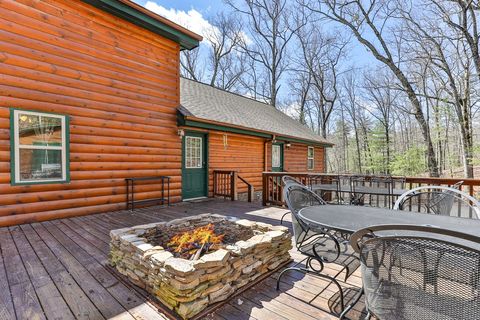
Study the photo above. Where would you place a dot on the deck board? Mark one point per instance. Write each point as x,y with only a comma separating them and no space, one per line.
50,298
58,270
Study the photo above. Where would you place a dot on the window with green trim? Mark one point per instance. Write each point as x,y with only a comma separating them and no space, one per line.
39,147
311,158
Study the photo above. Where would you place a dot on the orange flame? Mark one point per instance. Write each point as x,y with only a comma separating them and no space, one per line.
189,242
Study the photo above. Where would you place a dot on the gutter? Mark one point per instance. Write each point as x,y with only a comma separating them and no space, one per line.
138,15
192,121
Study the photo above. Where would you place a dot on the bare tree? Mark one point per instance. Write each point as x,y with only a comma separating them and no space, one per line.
462,16
322,55
191,64
226,61
300,87
369,21
220,55
381,94
351,104
269,34
447,57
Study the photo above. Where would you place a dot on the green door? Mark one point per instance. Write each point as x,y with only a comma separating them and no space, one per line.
194,166
277,157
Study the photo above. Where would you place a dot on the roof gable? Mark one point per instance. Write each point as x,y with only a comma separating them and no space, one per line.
204,102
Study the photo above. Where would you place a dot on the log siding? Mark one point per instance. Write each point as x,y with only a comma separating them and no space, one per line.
295,158
118,83
250,155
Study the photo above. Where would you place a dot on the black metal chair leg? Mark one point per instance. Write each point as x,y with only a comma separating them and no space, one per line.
350,306
281,220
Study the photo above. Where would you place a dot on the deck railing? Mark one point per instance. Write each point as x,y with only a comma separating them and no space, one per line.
272,183
225,184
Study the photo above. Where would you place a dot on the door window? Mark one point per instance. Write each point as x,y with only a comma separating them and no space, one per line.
276,156
310,158
193,152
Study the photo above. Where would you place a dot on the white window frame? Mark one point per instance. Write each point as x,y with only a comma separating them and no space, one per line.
201,152
311,158
17,146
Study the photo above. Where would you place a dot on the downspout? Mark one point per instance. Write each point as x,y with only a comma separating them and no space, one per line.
265,152
265,156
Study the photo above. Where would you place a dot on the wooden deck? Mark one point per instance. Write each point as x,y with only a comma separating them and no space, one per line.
58,270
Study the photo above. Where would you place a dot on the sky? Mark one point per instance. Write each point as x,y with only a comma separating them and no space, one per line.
194,8
194,15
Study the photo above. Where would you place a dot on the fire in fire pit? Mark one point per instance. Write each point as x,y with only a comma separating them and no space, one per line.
191,244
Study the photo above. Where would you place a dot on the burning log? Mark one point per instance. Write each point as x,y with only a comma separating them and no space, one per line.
191,244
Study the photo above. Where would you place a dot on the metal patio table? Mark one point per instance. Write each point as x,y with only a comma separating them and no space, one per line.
348,219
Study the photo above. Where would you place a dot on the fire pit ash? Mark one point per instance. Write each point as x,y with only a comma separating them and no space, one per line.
191,263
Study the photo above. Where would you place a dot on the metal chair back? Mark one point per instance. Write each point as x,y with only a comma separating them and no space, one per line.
419,272
399,182
311,240
357,183
439,200
286,180
298,197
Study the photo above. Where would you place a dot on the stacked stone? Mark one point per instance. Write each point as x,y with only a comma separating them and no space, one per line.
187,286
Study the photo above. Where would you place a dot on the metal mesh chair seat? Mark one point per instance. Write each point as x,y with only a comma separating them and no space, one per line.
411,260
418,304
419,277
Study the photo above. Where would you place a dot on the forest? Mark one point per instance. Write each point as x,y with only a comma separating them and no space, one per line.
394,84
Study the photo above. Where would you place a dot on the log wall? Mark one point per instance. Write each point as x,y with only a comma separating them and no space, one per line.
119,84
295,158
244,154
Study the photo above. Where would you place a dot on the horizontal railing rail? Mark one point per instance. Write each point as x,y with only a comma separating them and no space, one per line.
272,183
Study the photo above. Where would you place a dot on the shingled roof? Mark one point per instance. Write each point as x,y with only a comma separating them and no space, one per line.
203,102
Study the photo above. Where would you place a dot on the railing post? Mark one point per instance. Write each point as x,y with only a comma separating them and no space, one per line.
214,183
264,189
250,193
233,185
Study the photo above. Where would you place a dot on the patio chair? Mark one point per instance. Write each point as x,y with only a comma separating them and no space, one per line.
439,200
419,272
357,198
385,185
286,181
399,182
316,242
344,189
325,186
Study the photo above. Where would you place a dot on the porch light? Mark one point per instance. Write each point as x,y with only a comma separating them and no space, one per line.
181,133
288,145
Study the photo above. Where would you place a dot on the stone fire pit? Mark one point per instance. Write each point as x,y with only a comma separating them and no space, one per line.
250,249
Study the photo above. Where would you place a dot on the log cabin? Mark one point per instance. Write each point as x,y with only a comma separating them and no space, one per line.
234,132
91,95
